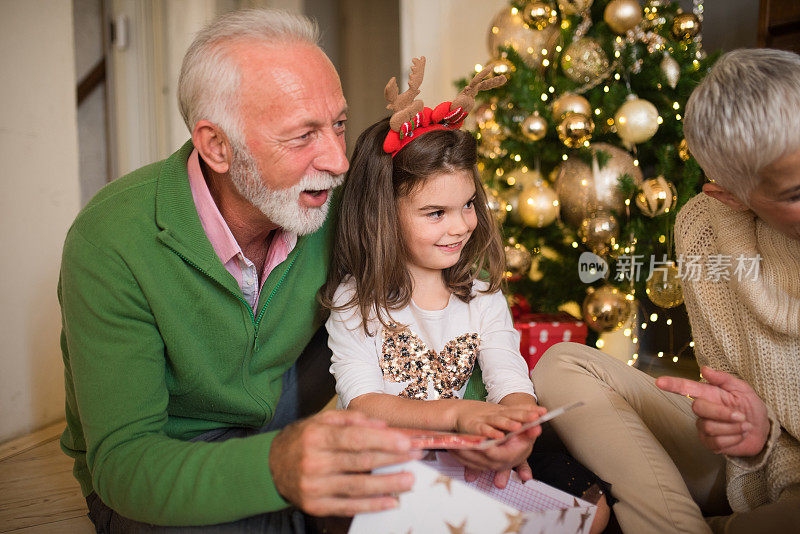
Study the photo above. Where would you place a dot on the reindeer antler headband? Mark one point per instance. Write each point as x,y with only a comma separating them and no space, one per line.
411,118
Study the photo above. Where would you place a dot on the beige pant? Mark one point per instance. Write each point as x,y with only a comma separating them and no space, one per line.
645,443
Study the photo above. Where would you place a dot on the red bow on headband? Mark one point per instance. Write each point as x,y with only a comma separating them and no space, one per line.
411,119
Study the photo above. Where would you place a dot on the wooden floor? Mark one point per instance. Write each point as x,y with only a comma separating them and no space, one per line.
37,491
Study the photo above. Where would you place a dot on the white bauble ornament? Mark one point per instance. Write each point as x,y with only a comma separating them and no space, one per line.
636,120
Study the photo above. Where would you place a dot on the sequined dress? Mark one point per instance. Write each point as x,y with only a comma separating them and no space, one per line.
433,356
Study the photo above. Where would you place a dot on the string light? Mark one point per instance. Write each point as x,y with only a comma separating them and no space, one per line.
544,96
675,359
660,354
599,344
669,322
653,317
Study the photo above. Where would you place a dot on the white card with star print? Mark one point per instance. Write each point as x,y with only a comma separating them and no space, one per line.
441,502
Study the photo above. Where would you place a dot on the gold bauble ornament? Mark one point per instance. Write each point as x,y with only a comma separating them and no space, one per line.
538,205
509,29
518,261
539,15
522,177
491,136
570,103
683,150
685,26
636,120
501,67
496,205
622,15
582,188
534,127
575,130
570,7
671,70
606,308
656,196
664,287
599,232
584,60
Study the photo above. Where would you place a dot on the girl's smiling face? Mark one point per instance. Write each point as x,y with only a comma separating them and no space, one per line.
436,221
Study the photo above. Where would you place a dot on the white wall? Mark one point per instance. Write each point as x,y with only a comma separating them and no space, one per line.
41,196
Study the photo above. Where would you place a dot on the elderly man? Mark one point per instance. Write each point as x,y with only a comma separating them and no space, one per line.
188,293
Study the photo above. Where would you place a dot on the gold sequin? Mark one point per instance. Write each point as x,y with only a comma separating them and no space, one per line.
406,358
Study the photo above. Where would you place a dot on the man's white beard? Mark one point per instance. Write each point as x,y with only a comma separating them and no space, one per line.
281,206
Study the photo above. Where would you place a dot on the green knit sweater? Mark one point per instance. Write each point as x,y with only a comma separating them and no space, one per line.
159,346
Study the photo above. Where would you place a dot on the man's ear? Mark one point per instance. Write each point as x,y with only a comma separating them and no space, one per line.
724,196
213,146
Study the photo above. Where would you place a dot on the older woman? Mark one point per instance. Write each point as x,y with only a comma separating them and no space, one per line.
728,448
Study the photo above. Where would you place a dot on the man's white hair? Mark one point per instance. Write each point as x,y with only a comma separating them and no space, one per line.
208,86
744,116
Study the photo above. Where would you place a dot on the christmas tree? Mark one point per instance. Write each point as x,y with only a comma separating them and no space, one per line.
582,150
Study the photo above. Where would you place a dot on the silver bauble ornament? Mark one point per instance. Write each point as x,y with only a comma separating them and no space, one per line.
584,60
664,288
636,120
685,26
539,15
496,205
583,189
518,261
570,103
599,232
575,130
671,70
606,308
538,205
656,196
534,127
622,15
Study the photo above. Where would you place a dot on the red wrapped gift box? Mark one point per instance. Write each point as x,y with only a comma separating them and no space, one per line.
539,331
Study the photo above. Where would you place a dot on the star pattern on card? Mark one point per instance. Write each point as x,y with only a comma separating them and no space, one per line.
457,529
584,517
445,481
515,522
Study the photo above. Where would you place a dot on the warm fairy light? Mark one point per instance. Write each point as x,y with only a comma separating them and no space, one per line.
660,354
629,297
653,317
616,76
616,53
610,122
627,202
545,62
544,51
584,182
599,344
517,157
586,143
630,362
636,162
626,332
564,24
574,244
530,50
499,172
555,203
675,359
511,180
544,96
691,344
669,322
597,111
509,207
514,11
660,119
662,239
635,355
558,48
678,116
676,106
478,67
564,157
605,88
635,340
551,89
644,326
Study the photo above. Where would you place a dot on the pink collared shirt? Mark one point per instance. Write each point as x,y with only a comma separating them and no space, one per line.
225,245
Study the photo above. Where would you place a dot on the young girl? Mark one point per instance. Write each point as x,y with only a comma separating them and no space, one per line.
414,287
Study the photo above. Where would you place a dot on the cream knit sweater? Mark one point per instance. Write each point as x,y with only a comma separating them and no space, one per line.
750,329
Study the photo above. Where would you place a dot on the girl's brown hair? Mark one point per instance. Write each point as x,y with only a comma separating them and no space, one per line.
369,246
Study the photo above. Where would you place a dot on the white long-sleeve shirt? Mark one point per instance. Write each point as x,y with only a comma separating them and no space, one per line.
433,356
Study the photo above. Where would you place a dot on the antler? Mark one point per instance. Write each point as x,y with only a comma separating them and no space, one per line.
466,98
403,105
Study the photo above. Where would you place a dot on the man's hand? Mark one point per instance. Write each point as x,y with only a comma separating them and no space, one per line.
322,464
732,419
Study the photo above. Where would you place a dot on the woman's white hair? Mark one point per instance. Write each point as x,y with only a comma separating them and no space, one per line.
744,116
208,86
